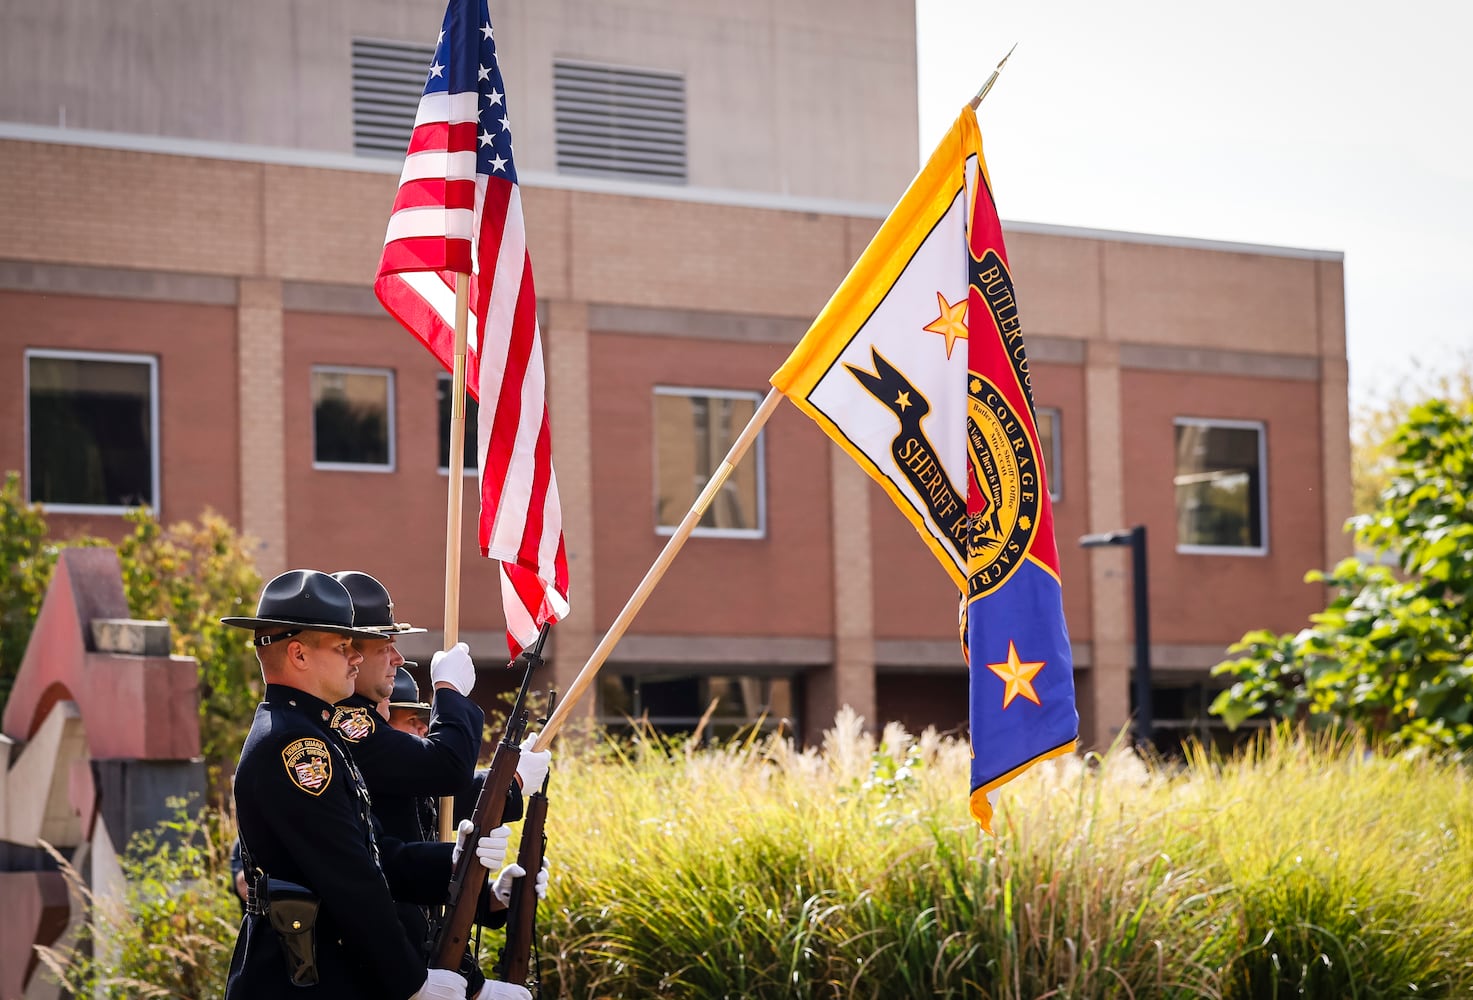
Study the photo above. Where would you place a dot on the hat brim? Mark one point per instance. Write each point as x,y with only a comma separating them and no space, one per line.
258,624
416,705
398,628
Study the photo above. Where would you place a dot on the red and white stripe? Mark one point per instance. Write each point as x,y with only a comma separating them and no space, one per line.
447,218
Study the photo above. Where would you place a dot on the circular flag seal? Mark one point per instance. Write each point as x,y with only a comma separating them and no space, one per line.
1002,509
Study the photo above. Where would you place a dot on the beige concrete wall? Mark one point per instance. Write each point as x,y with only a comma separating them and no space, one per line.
569,380
83,205
262,423
308,224
776,90
851,680
1104,699
1192,297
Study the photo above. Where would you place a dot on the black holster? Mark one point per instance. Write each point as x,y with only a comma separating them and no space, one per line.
292,910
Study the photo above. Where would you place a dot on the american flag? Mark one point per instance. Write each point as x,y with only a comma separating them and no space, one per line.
459,210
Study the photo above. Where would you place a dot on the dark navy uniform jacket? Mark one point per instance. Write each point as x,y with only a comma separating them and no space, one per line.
407,773
304,816
402,769
399,763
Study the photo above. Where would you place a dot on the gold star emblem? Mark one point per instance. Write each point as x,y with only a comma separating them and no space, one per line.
1018,677
1025,522
952,323
903,401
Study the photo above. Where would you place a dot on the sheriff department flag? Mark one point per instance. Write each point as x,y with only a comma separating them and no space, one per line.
916,367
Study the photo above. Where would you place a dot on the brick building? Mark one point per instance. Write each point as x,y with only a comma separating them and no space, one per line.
188,235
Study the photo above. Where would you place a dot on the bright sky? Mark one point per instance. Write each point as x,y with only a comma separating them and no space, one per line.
1329,124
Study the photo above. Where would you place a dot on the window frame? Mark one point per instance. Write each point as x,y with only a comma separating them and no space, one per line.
1054,461
703,678
389,428
155,452
1224,423
757,454
470,429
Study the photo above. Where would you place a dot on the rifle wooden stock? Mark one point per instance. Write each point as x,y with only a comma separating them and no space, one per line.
469,877
516,956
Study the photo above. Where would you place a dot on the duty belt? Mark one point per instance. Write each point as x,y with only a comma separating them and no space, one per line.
291,911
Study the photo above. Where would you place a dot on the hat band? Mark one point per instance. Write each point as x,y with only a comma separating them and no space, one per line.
266,640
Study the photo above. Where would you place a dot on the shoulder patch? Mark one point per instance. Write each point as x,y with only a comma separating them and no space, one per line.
353,724
308,765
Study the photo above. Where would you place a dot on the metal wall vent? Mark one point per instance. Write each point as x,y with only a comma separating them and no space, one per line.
388,80
614,121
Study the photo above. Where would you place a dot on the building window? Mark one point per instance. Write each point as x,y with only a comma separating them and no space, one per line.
353,419
468,465
669,704
92,431
1053,454
617,121
388,81
694,429
1221,496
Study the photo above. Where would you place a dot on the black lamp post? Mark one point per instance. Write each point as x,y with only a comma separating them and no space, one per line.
1136,538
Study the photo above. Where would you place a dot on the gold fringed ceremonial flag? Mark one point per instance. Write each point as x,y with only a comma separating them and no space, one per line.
916,368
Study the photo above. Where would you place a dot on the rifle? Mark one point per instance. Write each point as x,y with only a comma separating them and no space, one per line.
469,878
515,962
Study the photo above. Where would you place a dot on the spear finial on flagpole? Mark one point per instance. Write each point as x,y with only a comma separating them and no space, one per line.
991,80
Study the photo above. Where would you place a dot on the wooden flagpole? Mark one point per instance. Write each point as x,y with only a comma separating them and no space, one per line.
656,571
454,493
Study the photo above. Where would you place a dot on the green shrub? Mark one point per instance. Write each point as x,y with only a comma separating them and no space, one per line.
26,558
172,933
1391,656
191,573
194,575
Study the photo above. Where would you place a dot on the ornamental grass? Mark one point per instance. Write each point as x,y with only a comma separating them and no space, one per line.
1300,867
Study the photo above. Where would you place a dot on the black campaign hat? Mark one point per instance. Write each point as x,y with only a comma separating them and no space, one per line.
406,691
372,607
310,601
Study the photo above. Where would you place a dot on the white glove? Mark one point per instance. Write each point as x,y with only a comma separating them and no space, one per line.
532,767
501,888
494,990
462,833
442,984
455,667
491,849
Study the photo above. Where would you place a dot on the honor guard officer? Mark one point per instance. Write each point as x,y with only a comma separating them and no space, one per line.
320,911
395,763
405,773
406,712
399,767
